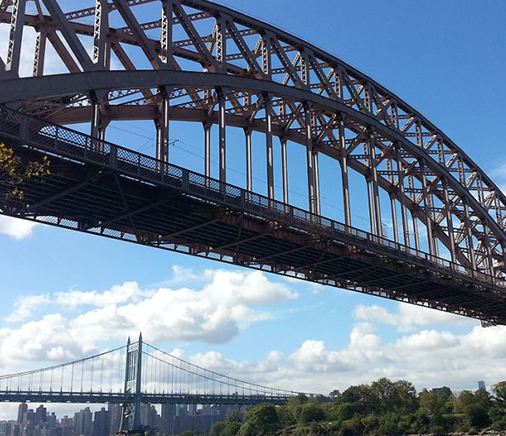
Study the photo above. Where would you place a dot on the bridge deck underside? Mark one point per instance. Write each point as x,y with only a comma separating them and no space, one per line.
111,202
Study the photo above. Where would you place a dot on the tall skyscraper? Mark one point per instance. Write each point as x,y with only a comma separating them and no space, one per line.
481,385
101,423
40,415
83,422
115,411
22,411
168,419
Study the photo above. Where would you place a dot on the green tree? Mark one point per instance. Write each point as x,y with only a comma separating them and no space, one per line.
231,428
263,418
352,427
310,412
394,397
342,412
428,402
217,428
475,407
361,394
299,400
188,433
436,401
249,428
233,416
285,417
389,425
500,392
370,423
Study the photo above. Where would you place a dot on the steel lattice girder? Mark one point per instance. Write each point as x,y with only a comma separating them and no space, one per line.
313,98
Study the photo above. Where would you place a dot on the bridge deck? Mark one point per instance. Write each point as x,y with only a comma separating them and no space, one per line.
101,188
147,398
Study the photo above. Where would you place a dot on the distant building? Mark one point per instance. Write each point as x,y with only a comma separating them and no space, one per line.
481,385
40,415
101,423
149,416
83,422
22,412
168,419
67,426
115,412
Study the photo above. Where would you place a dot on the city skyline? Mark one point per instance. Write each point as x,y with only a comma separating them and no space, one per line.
100,420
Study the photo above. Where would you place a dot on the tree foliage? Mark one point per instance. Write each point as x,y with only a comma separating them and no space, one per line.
16,171
383,408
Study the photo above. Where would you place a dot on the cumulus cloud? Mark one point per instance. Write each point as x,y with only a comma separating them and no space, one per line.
427,349
408,316
15,227
227,303
428,358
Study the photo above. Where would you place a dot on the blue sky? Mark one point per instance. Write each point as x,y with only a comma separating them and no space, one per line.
447,60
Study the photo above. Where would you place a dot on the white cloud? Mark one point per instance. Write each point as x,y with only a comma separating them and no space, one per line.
428,358
15,227
229,302
409,316
426,351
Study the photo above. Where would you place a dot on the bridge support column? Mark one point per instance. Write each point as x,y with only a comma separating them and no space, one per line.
415,230
284,169
490,258
162,129
310,161
98,125
268,146
249,177
449,221
427,203
394,218
467,223
376,205
316,165
344,172
370,202
222,136
207,148
404,212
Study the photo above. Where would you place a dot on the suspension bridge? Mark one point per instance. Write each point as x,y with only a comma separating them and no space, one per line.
134,374
221,72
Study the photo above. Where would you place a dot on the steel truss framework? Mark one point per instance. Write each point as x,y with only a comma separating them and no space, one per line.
215,66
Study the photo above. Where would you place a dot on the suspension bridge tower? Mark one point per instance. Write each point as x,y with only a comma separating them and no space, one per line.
131,414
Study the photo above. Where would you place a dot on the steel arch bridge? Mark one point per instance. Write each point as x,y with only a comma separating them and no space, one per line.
216,68
135,374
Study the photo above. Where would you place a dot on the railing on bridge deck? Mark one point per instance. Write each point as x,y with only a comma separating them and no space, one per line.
80,147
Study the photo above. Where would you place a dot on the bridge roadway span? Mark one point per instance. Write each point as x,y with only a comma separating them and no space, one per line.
147,398
101,188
